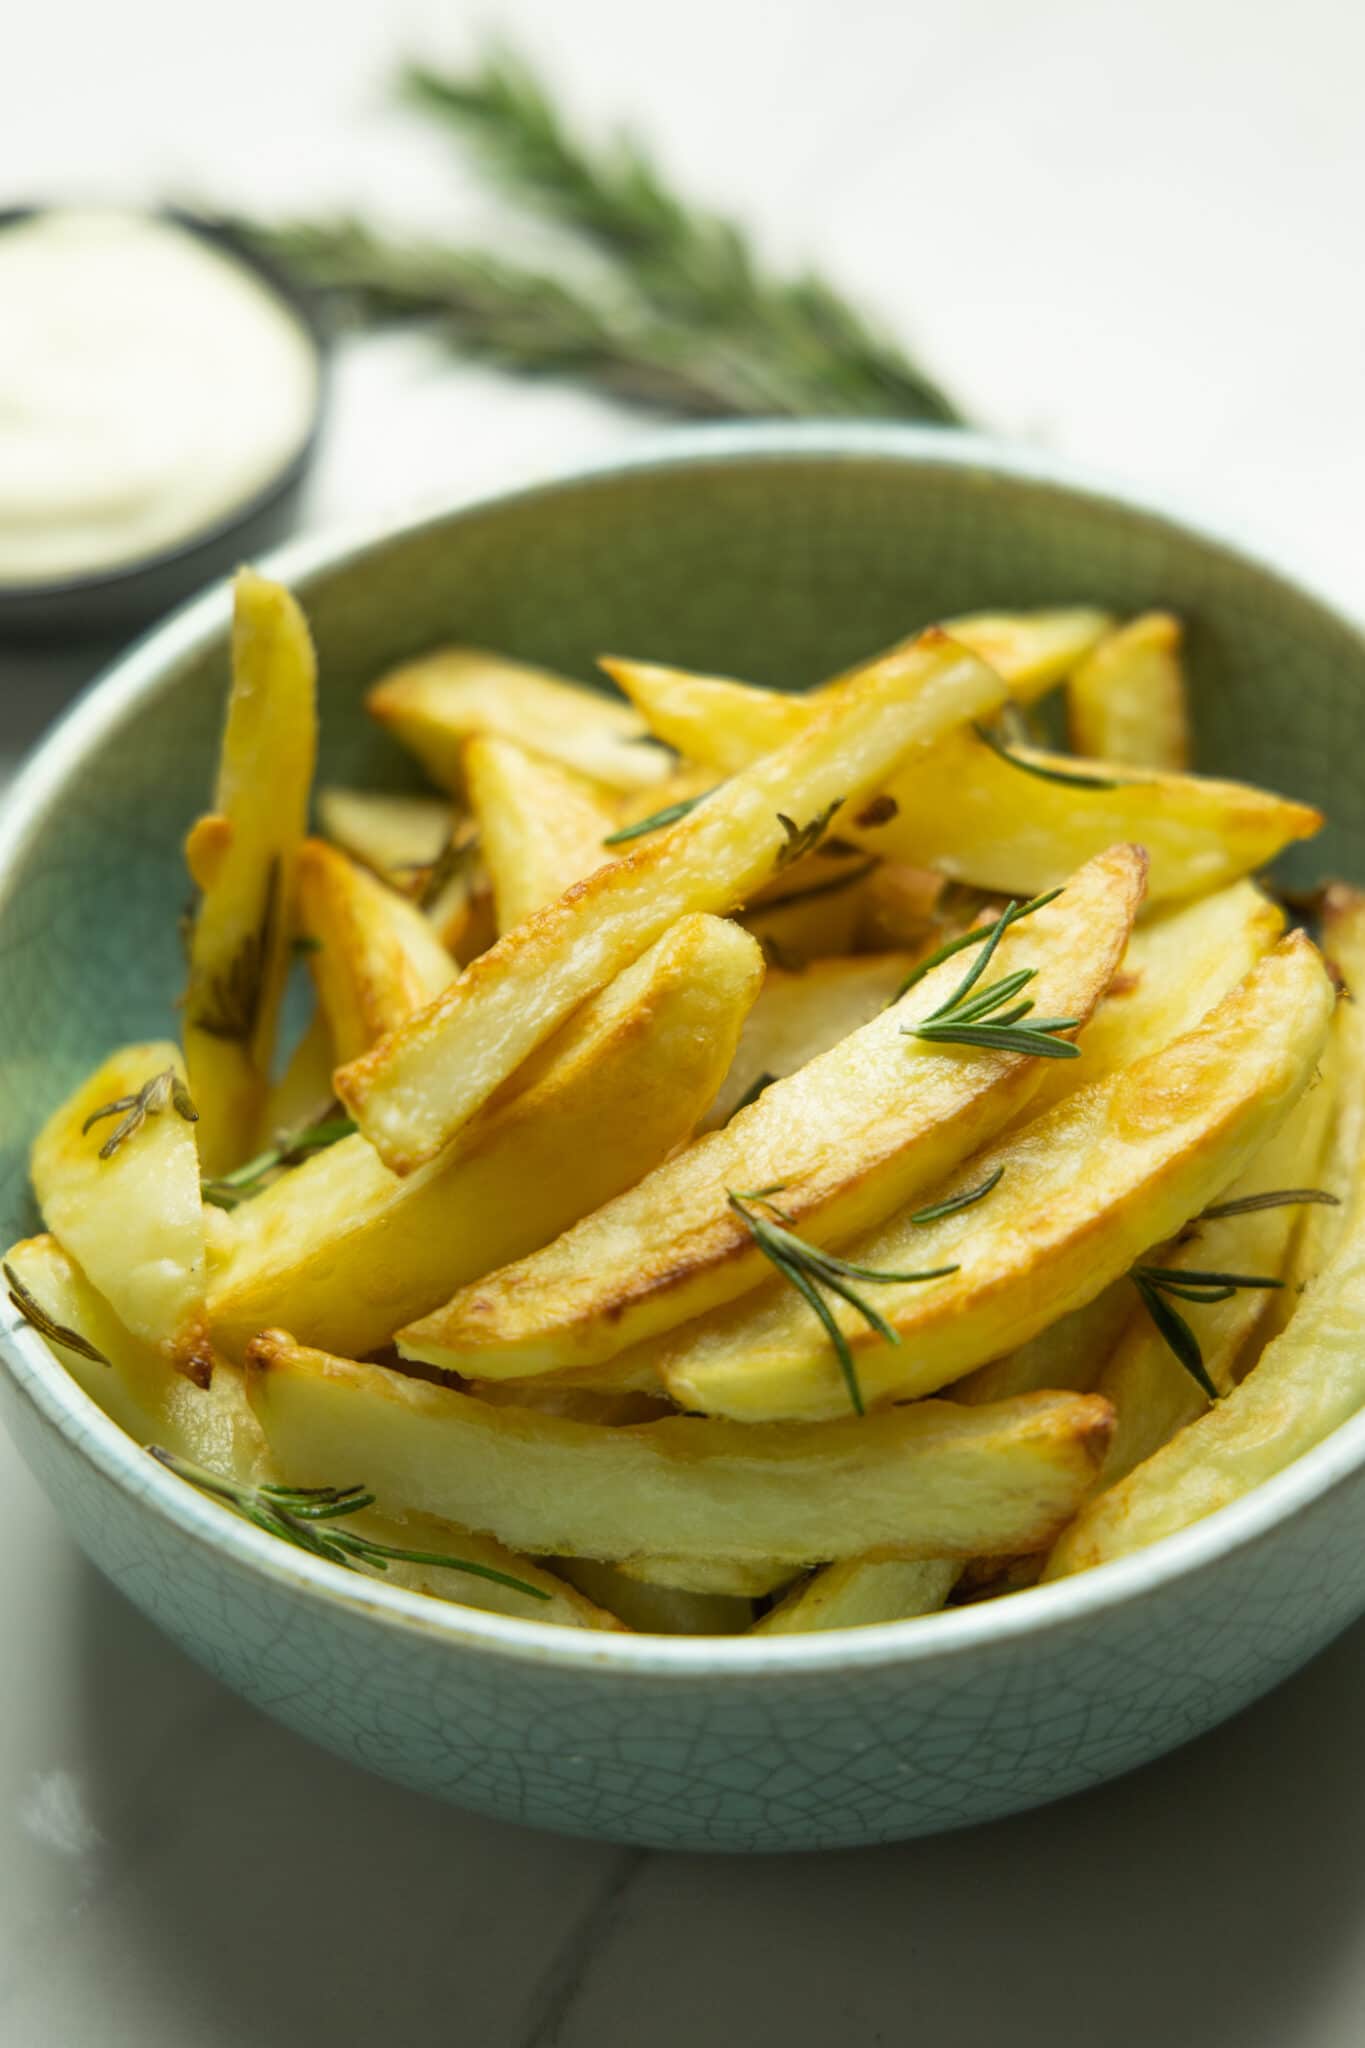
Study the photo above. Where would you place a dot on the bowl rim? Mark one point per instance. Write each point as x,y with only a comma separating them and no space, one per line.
153,664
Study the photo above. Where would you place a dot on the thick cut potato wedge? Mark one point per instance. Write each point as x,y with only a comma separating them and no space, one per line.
921,1481
849,1137
726,724
375,960
396,837
241,859
346,1251
1126,701
799,1016
656,1610
1068,1355
719,1577
412,1094
857,1594
433,705
133,1221
563,1605
1152,1394
303,1094
1084,1191
814,910
540,826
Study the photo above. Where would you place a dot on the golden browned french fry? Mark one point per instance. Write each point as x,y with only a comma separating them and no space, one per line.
1152,1393
540,826
726,725
412,1094
925,1480
656,1610
1068,1355
395,836
799,1016
1109,1171
347,1251
433,705
856,1594
116,1173
1126,700
563,1605
374,959
241,859
850,1137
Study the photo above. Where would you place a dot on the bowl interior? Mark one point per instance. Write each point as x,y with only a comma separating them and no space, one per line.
776,555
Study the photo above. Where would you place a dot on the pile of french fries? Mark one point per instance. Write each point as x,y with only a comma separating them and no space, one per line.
756,1161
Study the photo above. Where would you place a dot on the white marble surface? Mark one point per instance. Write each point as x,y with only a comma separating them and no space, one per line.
1132,234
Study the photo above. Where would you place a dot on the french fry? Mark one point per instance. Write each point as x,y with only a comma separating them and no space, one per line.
564,1605
1152,1393
540,826
1111,1170
850,1137
919,1481
433,705
901,908
1126,701
411,1094
726,724
715,1577
394,836
303,1094
122,1197
346,1251
814,910
656,1610
857,1594
1067,1356
375,960
799,1016
241,858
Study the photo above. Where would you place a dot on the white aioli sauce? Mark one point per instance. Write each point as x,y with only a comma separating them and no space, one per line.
149,386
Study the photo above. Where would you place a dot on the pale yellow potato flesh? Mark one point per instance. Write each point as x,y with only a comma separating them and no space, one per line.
656,1610
814,911
850,1136
856,1594
434,704
726,724
925,1480
1068,1355
375,960
1127,700
1152,1394
1111,1170
395,836
721,1577
412,1094
799,1016
134,1222
241,858
540,826
346,1251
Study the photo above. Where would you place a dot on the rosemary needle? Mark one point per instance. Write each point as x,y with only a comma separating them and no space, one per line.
1073,780
1155,1284
228,1189
1273,1198
973,937
657,820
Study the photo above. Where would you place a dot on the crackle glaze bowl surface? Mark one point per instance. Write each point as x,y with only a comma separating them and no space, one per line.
779,554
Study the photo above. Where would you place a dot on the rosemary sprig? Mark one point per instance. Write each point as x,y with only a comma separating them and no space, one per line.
990,1017
432,877
230,1005
293,1513
802,839
1155,1284
1274,1198
806,1268
1073,780
657,820
966,1200
151,1099
35,1314
228,1189
1012,914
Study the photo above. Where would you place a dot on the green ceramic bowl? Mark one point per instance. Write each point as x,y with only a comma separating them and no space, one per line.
780,554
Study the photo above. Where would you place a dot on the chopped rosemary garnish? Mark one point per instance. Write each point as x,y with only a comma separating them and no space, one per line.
975,936
293,1513
656,821
228,1189
752,1093
983,1018
806,1268
34,1313
151,1098
1188,1283
830,887
1274,1198
802,839
1072,779
231,1004
966,1200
